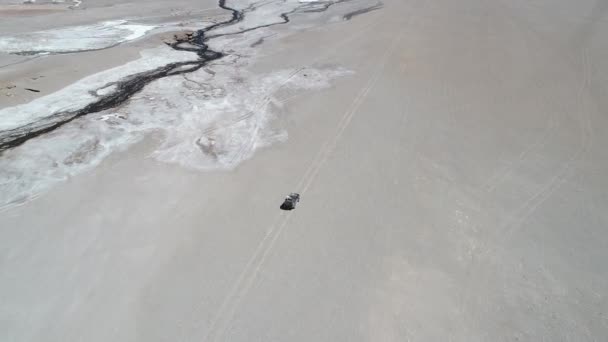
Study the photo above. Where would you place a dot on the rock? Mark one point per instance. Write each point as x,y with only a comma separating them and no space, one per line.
180,37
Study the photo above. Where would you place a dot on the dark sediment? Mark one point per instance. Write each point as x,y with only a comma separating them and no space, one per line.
349,16
193,42
125,88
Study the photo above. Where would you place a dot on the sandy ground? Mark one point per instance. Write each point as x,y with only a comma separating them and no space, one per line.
48,74
51,73
453,188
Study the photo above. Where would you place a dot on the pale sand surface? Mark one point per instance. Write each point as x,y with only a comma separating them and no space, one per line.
94,11
24,10
453,188
51,73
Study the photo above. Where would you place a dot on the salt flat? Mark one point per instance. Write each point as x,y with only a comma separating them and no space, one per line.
448,155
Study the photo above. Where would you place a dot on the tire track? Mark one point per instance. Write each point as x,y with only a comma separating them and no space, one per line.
501,175
559,175
565,170
272,233
228,309
267,98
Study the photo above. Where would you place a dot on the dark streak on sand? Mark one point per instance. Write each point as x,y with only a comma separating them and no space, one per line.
257,42
349,16
132,84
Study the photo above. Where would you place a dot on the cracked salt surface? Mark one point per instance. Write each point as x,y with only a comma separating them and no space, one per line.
269,14
78,95
212,118
207,120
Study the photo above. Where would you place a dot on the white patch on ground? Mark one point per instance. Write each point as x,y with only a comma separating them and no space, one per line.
213,118
228,116
208,122
75,38
78,95
106,90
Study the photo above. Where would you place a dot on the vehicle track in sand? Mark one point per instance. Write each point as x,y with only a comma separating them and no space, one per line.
557,173
229,307
246,277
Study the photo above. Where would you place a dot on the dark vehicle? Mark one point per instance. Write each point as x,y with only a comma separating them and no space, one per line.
290,201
